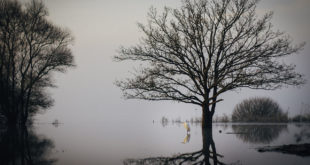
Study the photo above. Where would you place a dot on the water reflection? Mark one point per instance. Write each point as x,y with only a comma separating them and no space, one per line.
187,138
258,134
303,135
23,146
206,155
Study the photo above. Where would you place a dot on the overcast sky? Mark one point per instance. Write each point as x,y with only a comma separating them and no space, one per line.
87,94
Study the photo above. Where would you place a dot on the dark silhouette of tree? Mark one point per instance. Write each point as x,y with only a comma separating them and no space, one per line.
203,156
20,146
205,48
31,48
258,134
259,109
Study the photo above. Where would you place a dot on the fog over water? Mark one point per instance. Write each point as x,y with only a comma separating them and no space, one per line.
87,93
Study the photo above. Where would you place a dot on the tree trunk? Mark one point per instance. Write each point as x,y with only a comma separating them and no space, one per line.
206,121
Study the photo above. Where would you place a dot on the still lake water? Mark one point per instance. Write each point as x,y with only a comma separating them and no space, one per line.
155,143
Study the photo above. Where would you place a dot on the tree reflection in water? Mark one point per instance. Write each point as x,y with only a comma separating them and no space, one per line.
258,134
187,138
206,155
24,147
303,135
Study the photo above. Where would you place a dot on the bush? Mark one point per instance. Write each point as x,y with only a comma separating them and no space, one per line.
301,118
259,109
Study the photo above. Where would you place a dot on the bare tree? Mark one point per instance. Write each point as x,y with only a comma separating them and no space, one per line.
31,48
205,48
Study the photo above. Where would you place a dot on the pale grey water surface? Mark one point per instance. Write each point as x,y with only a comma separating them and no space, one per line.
115,143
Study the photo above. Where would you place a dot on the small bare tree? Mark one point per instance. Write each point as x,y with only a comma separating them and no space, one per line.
31,48
197,52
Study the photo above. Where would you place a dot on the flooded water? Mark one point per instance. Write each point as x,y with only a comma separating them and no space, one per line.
152,143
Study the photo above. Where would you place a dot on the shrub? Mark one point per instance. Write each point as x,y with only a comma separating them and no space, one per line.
301,118
259,109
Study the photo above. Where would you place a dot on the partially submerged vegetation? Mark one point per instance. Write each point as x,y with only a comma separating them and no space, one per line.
251,110
301,118
222,119
194,120
295,149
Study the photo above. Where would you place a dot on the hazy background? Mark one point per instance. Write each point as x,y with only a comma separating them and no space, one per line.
100,27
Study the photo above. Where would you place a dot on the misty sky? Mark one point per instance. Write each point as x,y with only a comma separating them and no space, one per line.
87,93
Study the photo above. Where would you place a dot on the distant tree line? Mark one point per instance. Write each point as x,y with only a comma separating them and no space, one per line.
257,109
31,48
304,115
301,118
